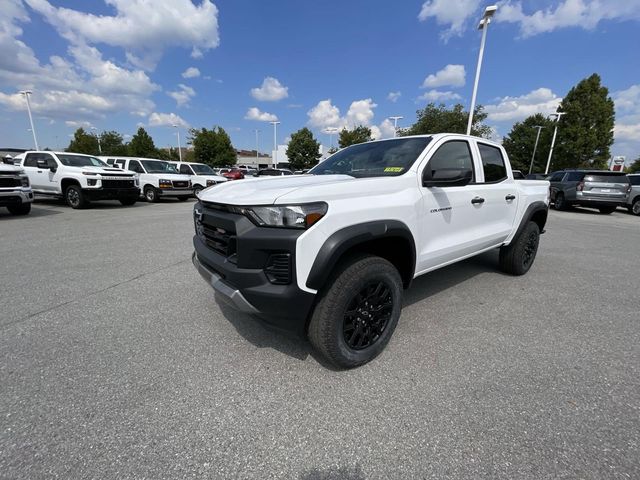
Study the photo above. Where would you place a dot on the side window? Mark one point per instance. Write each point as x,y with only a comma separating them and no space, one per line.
110,161
49,159
120,162
135,166
31,160
185,169
492,163
575,177
454,154
557,177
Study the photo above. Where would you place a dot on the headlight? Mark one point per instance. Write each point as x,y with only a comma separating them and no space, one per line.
89,173
136,181
288,216
165,184
25,180
210,183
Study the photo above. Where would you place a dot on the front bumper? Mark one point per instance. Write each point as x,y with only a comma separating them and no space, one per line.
15,196
175,192
111,193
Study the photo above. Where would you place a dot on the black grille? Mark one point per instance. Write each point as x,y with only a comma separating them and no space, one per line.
118,184
220,240
278,269
180,184
9,182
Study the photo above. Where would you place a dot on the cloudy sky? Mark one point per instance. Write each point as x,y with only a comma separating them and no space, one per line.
117,64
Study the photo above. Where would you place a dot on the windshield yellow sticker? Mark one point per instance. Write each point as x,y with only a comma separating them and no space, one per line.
394,169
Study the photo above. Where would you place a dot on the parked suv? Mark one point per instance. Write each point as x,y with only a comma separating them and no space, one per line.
78,178
157,178
200,174
633,203
15,190
601,189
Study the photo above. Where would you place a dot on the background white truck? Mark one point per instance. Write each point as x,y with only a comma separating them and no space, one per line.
328,254
78,178
15,190
200,174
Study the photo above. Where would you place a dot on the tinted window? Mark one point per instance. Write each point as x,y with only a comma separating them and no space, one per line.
80,161
158,166
120,162
575,177
31,160
185,169
388,158
556,177
635,179
135,166
492,163
604,178
455,154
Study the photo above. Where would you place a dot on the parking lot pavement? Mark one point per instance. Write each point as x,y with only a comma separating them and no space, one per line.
116,362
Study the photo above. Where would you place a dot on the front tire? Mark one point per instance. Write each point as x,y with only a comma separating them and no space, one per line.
357,312
127,202
183,199
75,198
517,257
607,210
151,194
635,208
22,209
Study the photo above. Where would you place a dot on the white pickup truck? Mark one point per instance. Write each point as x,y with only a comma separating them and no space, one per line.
15,190
78,178
328,254
201,175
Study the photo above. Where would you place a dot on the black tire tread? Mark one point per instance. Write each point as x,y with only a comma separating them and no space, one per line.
22,209
510,255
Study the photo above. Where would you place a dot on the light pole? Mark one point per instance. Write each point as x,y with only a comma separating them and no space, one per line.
26,94
275,124
535,147
553,141
179,147
484,26
395,125
330,131
257,145
95,134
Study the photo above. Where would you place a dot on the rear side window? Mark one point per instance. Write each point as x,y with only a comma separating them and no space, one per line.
135,166
557,177
184,169
120,162
575,177
606,178
635,180
492,163
454,154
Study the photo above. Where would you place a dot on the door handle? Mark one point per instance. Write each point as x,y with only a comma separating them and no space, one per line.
510,197
477,200
39,171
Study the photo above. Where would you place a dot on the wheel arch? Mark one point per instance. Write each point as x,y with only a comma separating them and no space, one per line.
536,212
66,182
389,239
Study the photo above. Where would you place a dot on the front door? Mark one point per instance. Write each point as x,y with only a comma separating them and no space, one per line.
41,178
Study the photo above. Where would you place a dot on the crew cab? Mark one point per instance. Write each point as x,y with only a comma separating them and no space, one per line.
78,178
200,174
157,178
15,190
328,254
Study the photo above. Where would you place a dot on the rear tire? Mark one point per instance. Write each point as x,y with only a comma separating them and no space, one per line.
559,202
357,312
635,208
517,257
22,209
607,210
75,198
151,194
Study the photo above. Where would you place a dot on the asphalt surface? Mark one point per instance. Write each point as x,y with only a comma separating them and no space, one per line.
117,362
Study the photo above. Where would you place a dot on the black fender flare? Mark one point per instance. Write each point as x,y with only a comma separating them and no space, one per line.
343,240
531,210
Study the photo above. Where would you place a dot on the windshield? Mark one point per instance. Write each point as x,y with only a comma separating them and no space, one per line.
158,166
389,158
202,169
80,161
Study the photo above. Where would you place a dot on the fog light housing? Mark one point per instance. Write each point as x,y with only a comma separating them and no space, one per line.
92,182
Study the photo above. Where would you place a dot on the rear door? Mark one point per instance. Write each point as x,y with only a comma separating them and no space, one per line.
605,186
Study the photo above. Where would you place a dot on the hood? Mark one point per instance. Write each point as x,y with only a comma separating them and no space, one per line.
215,178
6,168
265,191
105,170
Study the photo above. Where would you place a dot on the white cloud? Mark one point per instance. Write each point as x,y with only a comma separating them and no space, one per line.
183,95
254,113
394,96
627,128
191,72
514,109
439,96
360,112
452,14
384,130
324,115
270,91
449,76
586,14
166,120
74,124
142,28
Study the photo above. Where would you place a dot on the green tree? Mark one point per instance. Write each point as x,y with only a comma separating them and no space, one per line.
83,142
112,143
585,131
141,145
359,134
169,154
212,147
521,140
303,150
439,119
634,167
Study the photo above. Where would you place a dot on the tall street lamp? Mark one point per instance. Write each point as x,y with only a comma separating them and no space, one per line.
275,143
95,134
535,147
553,141
26,94
484,26
257,145
395,125
330,131
179,147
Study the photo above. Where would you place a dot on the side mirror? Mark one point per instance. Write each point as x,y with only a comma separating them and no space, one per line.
446,177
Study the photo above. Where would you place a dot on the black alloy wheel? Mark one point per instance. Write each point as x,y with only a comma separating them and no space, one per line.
367,315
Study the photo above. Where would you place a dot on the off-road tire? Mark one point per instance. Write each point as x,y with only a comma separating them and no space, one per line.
326,330
517,257
151,194
75,198
22,209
